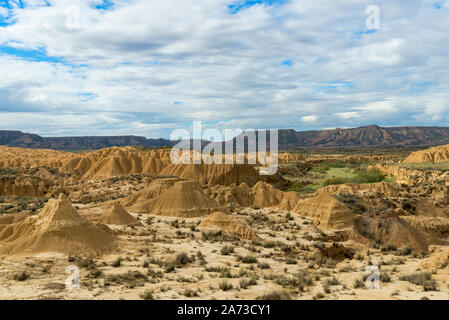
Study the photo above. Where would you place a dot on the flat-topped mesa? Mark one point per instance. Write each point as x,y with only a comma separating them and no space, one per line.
57,228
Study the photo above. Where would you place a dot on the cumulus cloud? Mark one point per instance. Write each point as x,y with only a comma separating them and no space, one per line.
146,67
310,118
347,115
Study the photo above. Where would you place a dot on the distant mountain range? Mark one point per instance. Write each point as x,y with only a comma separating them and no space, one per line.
365,136
288,139
27,140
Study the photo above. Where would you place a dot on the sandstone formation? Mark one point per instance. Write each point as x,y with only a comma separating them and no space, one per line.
328,212
228,225
117,215
57,228
351,188
435,154
184,199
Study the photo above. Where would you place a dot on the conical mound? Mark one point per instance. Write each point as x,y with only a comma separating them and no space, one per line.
289,201
57,228
265,195
154,189
390,229
184,199
228,225
327,211
117,215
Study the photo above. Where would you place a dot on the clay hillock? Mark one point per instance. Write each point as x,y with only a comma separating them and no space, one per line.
113,162
409,176
152,190
117,215
326,211
387,228
23,158
232,195
289,201
351,188
185,199
435,154
262,195
228,225
212,174
57,228
265,195
438,258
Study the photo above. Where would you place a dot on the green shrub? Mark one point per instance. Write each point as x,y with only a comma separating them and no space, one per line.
275,295
117,262
385,277
363,176
21,276
334,181
181,259
147,295
421,279
244,283
249,259
355,203
225,285
359,283
226,250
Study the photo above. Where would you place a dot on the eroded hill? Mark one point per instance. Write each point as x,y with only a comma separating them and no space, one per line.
139,227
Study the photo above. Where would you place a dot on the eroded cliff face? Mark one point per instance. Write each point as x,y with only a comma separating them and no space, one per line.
410,176
436,154
365,136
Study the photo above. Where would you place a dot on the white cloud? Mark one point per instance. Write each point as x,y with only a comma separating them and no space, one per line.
141,57
4,12
348,115
437,109
310,118
386,106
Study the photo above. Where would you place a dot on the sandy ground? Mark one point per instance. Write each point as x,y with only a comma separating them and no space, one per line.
286,249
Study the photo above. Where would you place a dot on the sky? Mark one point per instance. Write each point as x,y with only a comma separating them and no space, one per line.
148,67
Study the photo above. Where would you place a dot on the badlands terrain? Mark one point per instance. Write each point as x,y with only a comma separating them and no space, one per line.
139,227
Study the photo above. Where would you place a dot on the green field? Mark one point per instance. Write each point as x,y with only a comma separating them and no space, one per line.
332,173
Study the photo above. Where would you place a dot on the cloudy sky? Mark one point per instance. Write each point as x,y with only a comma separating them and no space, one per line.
147,67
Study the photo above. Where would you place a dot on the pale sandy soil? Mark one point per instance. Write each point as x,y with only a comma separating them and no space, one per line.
161,241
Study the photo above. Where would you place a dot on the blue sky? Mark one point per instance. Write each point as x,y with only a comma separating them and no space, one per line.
147,67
